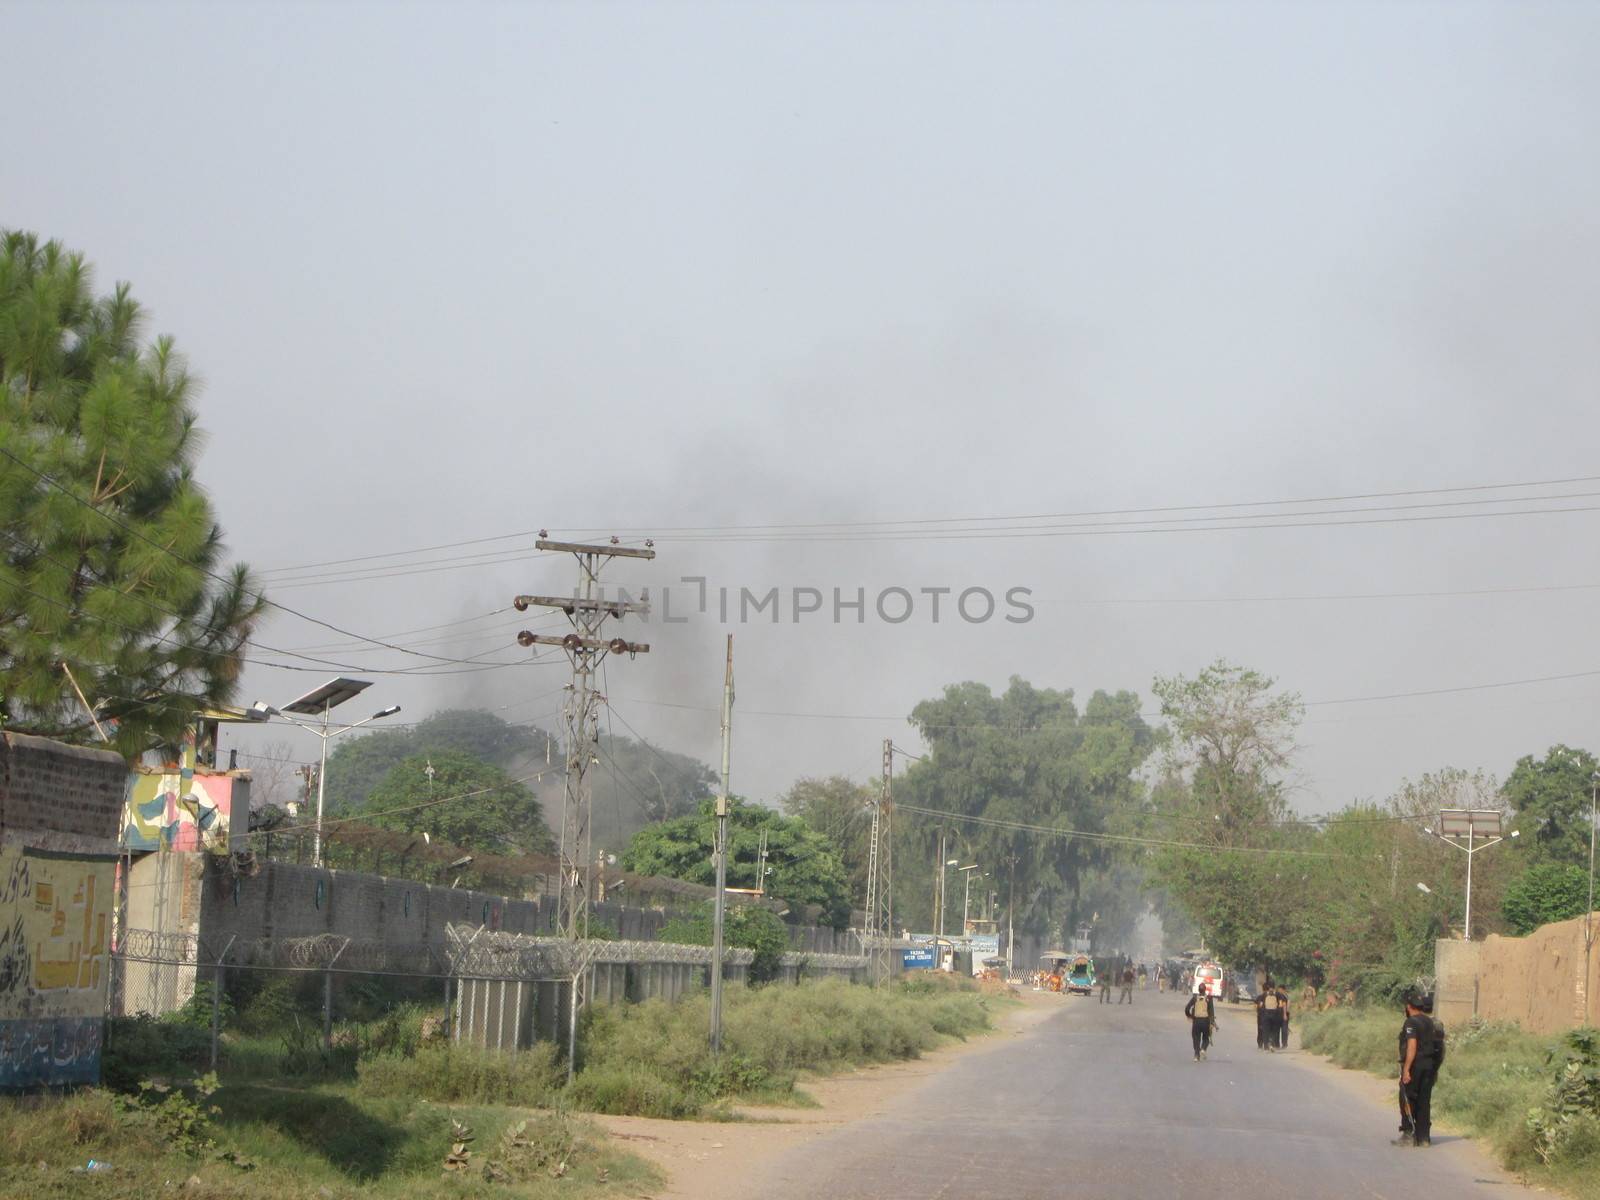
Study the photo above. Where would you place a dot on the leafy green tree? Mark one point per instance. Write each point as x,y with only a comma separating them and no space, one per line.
111,560
803,867
1545,893
357,763
744,926
1233,868
1552,797
841,810
634,785
1009,768
467,802
1231,737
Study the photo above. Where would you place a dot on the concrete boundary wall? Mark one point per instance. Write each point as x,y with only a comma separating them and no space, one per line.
1538,981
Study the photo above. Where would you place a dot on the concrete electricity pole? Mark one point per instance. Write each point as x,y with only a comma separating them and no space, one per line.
879,940
1011,908
588,610
1588,909
720,853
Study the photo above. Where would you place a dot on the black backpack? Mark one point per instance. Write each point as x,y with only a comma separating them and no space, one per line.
1436,1043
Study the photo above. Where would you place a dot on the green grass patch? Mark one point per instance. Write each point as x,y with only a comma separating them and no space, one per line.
461,1074
651,1059
1495,1079
275,1141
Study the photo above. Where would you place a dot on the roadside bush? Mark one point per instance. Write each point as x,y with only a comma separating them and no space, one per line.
462,1075
633,1090
651,1058
142,1048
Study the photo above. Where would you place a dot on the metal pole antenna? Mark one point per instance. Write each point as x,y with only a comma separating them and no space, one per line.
587,609
1468,936
720,850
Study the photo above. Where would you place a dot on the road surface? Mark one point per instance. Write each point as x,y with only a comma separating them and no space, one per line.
1107,1102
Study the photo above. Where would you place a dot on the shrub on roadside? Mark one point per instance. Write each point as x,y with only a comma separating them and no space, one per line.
143,1047
452,1074
633,1091
651,1058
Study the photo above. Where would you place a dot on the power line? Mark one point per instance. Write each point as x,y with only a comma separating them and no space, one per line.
1122,512
913,524
969,534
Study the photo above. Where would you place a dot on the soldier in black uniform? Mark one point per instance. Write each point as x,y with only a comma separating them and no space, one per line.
1202,1015
1421,1055
1270,1016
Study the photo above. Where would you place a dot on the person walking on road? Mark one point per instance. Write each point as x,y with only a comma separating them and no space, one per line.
1283,1017
1105,984
1202,1014
1421,1056
1269,1029
1127,985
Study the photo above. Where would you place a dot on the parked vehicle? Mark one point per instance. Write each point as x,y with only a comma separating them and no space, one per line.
1080,976
1211,978
1241,987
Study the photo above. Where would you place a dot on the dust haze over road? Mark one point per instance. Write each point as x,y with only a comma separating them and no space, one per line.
459,271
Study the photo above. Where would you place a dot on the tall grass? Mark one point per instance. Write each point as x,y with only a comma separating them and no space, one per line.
651,1059
1494,1077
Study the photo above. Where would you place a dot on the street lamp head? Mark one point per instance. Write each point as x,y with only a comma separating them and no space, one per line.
386,712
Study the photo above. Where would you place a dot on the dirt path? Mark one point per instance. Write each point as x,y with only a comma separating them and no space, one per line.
713,1160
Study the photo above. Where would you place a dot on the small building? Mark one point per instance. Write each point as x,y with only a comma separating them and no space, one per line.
60,812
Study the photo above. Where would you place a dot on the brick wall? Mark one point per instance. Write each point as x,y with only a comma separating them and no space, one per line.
60,797
1539,981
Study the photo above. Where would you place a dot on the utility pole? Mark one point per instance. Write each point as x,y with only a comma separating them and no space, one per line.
1011,908
938,889
879,940
587,609
1588,910
720,851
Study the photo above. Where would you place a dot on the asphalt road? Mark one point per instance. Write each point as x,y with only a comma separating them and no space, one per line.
1108,1102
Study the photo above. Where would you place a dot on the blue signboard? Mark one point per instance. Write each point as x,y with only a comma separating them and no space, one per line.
918,958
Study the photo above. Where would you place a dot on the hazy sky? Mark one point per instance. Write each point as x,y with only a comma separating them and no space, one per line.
462,271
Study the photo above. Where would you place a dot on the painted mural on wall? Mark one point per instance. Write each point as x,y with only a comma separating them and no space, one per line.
55,941
178,812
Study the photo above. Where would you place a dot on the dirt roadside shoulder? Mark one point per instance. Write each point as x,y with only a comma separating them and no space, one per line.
713,1160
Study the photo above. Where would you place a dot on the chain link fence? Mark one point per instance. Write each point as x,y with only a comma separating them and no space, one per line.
294,1006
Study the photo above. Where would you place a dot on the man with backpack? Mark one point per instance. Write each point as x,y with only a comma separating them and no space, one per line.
1202,1014
1421,1056
1269,1022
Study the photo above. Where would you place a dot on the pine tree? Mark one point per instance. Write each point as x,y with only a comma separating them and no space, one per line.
111,561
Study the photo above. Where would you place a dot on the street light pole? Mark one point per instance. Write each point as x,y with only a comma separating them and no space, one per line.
319,702
1462,822
966,898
